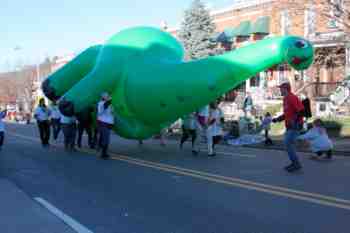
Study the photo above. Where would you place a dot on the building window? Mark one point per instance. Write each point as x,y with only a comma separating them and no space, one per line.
282,74
310,22
285,22
335,13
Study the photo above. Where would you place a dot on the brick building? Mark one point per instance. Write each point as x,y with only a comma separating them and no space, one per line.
247,21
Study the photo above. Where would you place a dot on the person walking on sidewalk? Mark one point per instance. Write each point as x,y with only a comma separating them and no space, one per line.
55,120
42,114
266,126
293,112
105,121
2,128
248,105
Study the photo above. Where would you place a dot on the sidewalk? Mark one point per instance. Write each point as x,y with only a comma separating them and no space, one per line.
341,145
20,213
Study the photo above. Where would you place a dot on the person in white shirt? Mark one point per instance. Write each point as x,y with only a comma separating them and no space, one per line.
2,128
189,128
42,114
319,141
105,122
214,130
55,120
69,128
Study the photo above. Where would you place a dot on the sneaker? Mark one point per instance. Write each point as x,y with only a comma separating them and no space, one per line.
294,167
329,154
104,157
194,152
212,155
288,167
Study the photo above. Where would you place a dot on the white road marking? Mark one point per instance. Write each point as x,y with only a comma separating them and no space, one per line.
65,218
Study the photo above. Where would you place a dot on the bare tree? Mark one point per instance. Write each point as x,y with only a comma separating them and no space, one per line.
329,58
8,91
339,11
27,88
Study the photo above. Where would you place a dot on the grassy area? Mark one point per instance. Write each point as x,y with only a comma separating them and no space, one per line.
337,127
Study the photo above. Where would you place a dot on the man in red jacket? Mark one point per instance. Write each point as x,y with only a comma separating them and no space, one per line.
293,111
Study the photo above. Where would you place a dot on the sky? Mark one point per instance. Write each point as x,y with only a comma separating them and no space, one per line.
31,30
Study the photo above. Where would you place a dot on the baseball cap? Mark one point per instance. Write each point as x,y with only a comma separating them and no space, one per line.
285,85
105,96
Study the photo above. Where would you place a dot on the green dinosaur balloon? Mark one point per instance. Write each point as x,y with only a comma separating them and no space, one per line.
151,86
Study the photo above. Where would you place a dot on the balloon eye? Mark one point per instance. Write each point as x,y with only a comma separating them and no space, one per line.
300,44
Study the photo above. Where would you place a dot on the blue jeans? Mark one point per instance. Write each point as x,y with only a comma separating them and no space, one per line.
289,140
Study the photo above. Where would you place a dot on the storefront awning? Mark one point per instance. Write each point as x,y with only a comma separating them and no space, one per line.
261,25
230,33
243,29
219,37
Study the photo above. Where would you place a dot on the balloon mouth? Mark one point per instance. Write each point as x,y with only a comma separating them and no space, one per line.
299,60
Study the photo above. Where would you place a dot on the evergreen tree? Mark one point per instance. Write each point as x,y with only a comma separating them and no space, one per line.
196,31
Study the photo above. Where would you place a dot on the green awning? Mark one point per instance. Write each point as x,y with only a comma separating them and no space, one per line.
261,25
243,29
219,37
230,33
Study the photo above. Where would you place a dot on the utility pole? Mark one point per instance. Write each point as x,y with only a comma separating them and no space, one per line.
347,63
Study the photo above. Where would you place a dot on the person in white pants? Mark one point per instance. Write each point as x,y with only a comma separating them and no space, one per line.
214,130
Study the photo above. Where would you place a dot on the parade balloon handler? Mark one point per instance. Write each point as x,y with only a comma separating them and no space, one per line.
105,122
2,128
214,130
189,128
55,116
69,128
319,141
293,112
85,123
42,114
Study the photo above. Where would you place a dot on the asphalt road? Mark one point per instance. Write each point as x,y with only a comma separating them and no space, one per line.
154,189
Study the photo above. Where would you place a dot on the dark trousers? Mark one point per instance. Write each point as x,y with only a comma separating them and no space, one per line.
104,131
186,133
2,137
44,131
81,129
216,140
329,153
56,127
268,140
69,132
